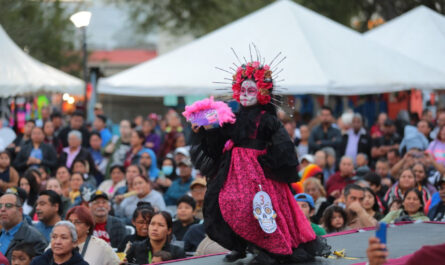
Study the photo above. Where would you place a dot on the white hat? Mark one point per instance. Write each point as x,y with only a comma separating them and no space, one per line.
308,157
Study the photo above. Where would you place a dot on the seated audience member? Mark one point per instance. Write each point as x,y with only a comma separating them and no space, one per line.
357,215
144,192
437,210
334,219
149,162
307,205
30,185
395,205
356,140
100,161
141,219
303,142
131,172
63,175
49,211
118,148
9,177
167,174
22,254
342,178
63,247
159,237
362,167
51,138
117,180
371,205
181,186
437,147
412,139
193,237
137,146
320,160
427,188
100,125
186,207
407,180
107,227
305,161
54,185
382,169
75,152
95,251
313,187
375,185
389,140
161,256
412,208
152,140
81,167
76,182
198,189
14,229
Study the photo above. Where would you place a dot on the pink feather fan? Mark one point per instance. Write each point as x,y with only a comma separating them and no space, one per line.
208,111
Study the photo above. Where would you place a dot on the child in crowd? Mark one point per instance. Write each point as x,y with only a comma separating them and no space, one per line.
334,219
8,175
185,216
161,256
307,205
22,254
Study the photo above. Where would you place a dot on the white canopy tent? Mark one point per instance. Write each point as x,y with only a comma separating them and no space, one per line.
323,57
418,34
22,74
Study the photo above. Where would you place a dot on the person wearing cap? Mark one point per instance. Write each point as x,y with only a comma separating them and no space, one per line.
305,161
107,227
307,205
181,153
198,189
389,140
100,125
49,210
181,186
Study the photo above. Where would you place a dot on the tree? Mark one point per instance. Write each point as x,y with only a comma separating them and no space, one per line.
43,29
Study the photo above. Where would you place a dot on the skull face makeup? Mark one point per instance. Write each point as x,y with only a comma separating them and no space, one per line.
264,212
248,95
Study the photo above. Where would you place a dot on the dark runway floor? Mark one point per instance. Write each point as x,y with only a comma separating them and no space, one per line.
402,240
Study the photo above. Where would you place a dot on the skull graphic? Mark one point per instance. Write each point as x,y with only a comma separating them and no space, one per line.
264,212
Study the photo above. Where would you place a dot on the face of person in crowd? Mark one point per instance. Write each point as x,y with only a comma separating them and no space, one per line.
356,124
54,185
354,196
19,257
45,210
419,172
185,212
167,167
330,159
428,116
147,127
5,161
28,128
81,227
45,112
198,192
125,128
79,167
100,207
24,184
135,140
304,133
382,168
145,160
98,124
346,167
131,173
76,181
141,186
10,213
441,119
361,160
337,220
180,141
76,122
37,135
95,142
48,129
381,119
368,201
422,127
173,120
313,190
411,203
184,171
248,93
74,141
63,175
178,157
141,226
57,122
117,175
320,159
158,229
304,206
407,180
325,117
393,158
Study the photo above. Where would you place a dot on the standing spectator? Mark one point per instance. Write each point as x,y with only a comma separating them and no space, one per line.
56,119
75,151
342,178
107,227
49,211
389,140
437,210
95,251
424,128
325,134
313,187
439,123
303,143
198,189
54,185
117,180
36,153
378,128
118,147
100,125
149,162
437,147
407,181
181,186
50,138
412,208
63,175
357,215
371,205
356,140
9,177
306,204
14,229
76,124
63,247
185,217
95,150
160,231
334,219
152,140
31,186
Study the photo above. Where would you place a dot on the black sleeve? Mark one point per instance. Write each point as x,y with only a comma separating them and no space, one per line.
50,158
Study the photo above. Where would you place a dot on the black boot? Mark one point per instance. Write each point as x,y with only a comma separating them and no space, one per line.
262,258
234,255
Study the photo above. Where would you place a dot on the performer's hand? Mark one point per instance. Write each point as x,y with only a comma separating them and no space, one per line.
376,252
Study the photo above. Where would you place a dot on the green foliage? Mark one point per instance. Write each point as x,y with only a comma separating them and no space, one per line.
43,29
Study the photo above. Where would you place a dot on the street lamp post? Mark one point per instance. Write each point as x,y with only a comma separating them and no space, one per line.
82,20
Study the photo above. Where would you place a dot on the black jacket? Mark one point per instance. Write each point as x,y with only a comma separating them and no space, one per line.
63,136
138,252
47,259
364,144
116,230
49,157
27,234
83,154
330,138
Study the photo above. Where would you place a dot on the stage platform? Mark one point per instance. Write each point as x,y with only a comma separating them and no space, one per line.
402,240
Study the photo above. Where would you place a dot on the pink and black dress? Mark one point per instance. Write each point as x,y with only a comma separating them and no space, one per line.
239,160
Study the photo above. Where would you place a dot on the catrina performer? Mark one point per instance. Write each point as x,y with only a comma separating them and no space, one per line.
249,164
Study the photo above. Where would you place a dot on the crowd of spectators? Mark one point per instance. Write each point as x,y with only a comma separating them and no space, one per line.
79,192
